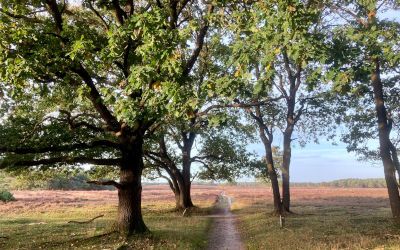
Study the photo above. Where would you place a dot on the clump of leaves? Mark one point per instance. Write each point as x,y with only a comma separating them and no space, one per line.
6,196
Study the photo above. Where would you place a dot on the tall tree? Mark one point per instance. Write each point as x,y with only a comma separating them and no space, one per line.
86,82
367,69
219,154
279,48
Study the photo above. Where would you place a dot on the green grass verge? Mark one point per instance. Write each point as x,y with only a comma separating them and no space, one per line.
315,227
50,230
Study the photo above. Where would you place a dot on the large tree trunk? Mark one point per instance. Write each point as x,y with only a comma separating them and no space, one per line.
186,198
130,218
384,141
188,140
181,191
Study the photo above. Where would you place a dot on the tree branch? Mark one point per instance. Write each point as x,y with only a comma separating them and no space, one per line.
199,45
106,26
16,16
73,125
96,99
238,105
171,185
62,148
87,221
62,159
106,183
336,9
119,12
52,7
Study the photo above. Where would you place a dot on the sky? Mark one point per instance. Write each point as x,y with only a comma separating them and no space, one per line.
326,162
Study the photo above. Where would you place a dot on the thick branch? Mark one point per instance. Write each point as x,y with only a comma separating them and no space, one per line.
199,46
16,16
61,148
106,26
56,14
238,105
96,99
119,12
203,157
106,183
62,159
171,185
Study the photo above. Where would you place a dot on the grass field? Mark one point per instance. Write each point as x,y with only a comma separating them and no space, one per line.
326,218
39,220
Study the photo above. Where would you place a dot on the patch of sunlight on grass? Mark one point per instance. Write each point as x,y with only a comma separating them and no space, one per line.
51,230
330,227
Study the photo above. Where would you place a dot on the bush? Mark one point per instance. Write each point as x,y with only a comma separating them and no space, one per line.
6,196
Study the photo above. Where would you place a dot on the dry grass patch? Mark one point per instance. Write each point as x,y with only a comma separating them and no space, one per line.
343,222
40,221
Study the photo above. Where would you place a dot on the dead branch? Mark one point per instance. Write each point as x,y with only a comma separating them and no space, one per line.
87,221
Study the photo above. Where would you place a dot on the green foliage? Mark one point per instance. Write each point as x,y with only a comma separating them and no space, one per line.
259,170
224,156
364,37
74,76
55,179
6,196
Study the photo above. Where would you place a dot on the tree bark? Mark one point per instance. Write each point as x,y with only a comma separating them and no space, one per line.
130,219
271,172
186,198
287,149
384,140
180,179
179,187
182,193
287,154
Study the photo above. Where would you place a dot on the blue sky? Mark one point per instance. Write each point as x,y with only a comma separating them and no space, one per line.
326,162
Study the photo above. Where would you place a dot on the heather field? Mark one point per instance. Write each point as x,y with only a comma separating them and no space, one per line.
324,218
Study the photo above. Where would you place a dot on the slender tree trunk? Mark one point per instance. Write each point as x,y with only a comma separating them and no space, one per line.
271,171
395,158
384,141
287,154
130,218
274,179
294,83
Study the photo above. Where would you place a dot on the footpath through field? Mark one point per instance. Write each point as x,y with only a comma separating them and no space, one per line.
224,234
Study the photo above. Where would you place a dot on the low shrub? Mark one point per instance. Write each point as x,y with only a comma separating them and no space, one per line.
6,196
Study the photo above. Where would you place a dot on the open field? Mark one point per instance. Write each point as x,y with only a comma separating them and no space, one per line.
38,220
326,218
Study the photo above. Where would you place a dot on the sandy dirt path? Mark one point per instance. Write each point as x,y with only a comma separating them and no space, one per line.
224,234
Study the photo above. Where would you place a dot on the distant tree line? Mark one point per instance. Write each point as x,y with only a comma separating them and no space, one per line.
346,183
